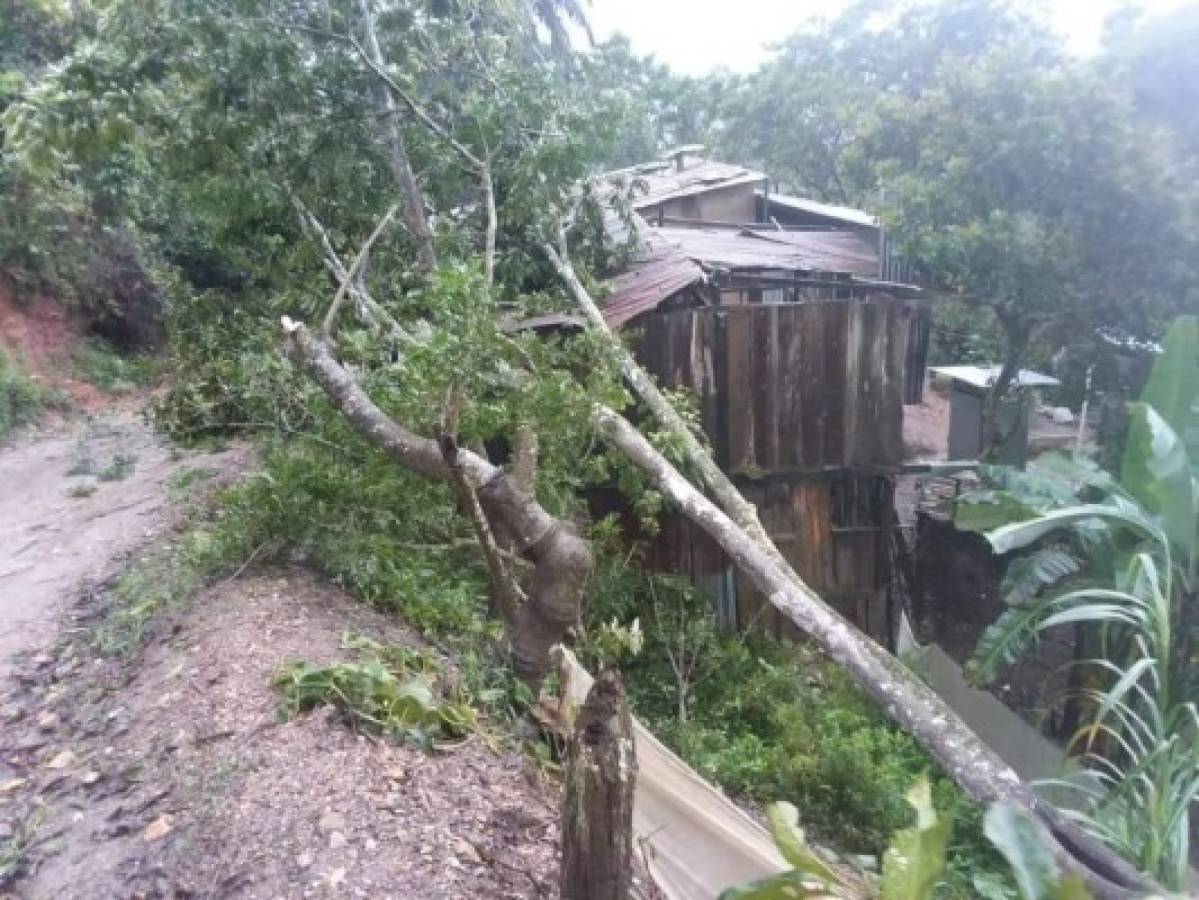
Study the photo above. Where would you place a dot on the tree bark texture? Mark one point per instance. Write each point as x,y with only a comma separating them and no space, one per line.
562,560
397,151
981,773
597,806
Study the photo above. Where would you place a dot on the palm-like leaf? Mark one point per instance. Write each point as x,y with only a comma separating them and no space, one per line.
1028,576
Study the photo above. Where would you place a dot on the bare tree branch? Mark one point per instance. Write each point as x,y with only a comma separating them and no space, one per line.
727,496
375,64
492,224
351,276
902,696
375,314
401,166
562,560
504,586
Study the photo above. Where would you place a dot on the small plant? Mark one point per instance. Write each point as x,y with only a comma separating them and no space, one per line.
120,468
180,484
165,577
16,850
1124,565
914,863
99,364
21,398
392,691
82,491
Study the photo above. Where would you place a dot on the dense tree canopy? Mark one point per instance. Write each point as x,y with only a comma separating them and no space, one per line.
1049,190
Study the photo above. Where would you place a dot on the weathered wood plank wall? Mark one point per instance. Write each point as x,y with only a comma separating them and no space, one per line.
790,388
803,404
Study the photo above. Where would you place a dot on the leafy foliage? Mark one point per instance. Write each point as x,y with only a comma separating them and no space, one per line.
915,860
391,690
1141,738
912,864
100,364
21,398
1025,845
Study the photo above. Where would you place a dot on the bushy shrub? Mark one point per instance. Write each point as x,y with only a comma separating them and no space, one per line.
98,363
21,398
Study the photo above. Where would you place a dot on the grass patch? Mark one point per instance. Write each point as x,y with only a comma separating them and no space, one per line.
181,483
16,851
98,363
22,399
162,579
120,468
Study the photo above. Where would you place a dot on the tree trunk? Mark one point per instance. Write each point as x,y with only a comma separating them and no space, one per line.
597,806
397,151
562,561
1017,336
744,513
903,697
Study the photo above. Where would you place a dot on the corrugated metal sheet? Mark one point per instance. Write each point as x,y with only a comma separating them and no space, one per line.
663,182
808,251
675,258
648,283
844,214
984,376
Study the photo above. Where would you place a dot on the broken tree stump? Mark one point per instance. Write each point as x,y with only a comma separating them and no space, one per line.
597,810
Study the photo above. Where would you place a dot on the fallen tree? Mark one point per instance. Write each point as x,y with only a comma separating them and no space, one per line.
562,562
561,559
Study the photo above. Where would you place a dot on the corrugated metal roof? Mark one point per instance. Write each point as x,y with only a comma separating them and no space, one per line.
662,182
846,214
674,258
743,248
648,283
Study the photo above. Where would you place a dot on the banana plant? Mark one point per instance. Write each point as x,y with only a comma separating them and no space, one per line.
1123,563
914,861
912,864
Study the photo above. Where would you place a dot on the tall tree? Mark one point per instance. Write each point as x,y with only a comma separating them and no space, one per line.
1035,192
802,115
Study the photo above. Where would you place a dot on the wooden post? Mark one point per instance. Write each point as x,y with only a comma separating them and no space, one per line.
597,809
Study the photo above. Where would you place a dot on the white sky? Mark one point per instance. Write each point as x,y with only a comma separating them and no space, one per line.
695,36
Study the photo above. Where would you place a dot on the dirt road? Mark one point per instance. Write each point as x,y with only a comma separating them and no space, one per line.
76,497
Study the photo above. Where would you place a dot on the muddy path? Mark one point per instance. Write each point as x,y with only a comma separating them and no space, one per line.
168,772
75,498
172,775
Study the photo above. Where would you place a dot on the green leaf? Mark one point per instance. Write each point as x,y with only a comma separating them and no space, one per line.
986,510
1019,535
1013,632
1024,843
788,886
1071,887
1028,575
913,863
1158,471
1173,386
789,837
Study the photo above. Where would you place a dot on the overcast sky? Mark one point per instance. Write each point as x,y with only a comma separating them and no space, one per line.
694,36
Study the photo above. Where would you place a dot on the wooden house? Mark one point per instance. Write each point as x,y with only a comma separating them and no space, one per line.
798,353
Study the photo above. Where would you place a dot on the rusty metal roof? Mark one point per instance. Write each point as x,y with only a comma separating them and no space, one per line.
746,248
648,283
675,258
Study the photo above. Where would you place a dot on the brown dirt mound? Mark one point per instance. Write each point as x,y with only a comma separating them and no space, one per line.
43,336
175,777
